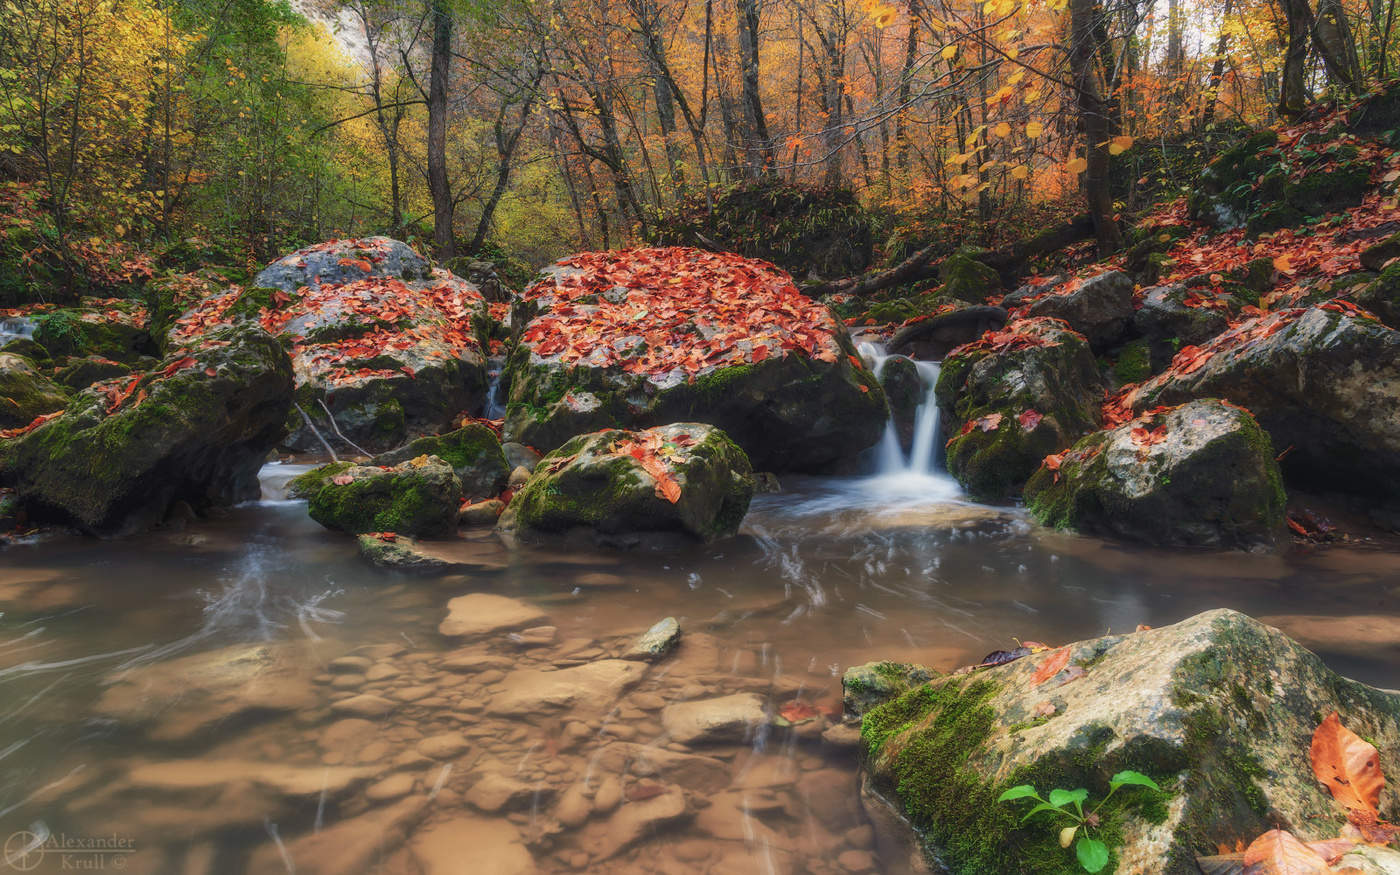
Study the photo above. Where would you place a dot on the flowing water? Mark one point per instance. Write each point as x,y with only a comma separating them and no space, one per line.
178,696
15,328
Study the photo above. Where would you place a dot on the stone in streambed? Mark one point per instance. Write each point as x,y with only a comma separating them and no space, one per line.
469,843
481,514
25,394
596,482
593,686
726,719
631,822
417,498
905,392
473,451
1219,709
1100,308
494,792
655,642
1202,474
874,683
353,845
364,705
407,555
481,614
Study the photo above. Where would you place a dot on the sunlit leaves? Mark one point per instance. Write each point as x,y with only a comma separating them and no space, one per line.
1076,165
1034,129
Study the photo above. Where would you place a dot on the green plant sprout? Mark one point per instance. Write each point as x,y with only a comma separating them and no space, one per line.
1091,852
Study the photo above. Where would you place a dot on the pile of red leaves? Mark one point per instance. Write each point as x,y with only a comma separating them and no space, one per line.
674,310
1017,334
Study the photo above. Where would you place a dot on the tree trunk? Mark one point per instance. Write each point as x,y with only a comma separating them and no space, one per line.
1336,44
906,77
1217,70
1094,121
760,147
443,238
1292,87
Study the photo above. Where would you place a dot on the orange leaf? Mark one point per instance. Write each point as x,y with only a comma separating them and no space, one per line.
1347,765
1277,852
1051,666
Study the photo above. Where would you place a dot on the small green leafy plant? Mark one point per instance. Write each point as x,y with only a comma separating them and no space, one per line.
1068,805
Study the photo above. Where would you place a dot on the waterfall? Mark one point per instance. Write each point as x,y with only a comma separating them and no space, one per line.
494,409
13,328
919,473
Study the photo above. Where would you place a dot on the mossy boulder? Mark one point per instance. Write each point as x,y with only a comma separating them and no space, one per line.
25,393
1199,475
195,429
417,498
80,373
116,332
341,261
967,279
1378,255
1100,308
473,451
384,349
406,555
1167,322
171,295
863,687
1014,398
1324,382
931,336
653,336
1382,296
1218,709
607,482
1224,191
905,392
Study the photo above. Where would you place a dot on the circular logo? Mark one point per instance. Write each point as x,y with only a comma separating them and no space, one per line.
24,850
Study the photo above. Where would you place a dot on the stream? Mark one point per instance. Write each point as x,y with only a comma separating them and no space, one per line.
173,701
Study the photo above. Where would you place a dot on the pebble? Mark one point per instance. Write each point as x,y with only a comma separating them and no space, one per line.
413,694
443,747
382,671
392,787
348,681
364,705
856,861
349,665
609,794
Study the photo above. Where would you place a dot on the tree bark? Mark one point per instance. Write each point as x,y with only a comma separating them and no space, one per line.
1094,121
443,238
760,147
1292,86
1217,70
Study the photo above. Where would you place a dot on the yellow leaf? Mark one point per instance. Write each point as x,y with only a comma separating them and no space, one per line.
1034,129
1018,75
1002,130
1020,171
986,166
949,52
1119,145
1283,265
1077,166
882,14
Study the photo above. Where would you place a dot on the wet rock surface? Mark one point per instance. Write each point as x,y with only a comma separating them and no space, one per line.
419,497
1100,308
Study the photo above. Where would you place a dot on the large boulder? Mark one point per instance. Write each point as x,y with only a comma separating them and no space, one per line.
196,428
652,336
25,394
112,328
684,478
931,335
1013,398
1324,382
380,357
1100,308
1219,710
1201,475
967,279
417,498
1382,296
473,451
1174,316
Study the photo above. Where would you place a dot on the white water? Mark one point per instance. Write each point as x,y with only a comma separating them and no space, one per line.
11,329
494,409
917,476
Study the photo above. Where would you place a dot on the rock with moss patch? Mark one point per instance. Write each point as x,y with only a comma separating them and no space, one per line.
26,394
865,686
744,351
932,335
195,429
1378,255
1168,323
111,329
404,554
384,349
1199,475
608,482
80,373
417,498
904,390
1014,398
1100,308
1218,710
967,279
1322,381
473,451
1382,296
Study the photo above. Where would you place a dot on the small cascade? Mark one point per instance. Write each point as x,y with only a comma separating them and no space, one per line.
919,472
494,408
14,328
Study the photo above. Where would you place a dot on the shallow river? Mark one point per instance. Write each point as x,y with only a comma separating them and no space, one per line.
174,695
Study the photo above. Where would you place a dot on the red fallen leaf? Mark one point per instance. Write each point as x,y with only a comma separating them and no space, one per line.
864,388
386,537
1367,827
1347,765
1029,419
342,479
990,422
178,365
35,423
1277,852
360,263
211,372
1052,666
407,370
798,712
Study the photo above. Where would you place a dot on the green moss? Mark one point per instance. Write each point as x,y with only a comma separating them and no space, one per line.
310,483
1134,363
967,279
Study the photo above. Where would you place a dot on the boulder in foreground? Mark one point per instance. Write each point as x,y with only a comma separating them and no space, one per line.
1202,475
685,478
651,336
196,428
1219,710
25,394
418,498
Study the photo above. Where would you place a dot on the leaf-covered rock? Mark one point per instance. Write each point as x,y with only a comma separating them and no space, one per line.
1174,316
685,478
1202,475
114,329
652,336
473,451
1382,296
1013,398
25,393
1218,710
417,498
1100,308
195,428
388,346
1324,382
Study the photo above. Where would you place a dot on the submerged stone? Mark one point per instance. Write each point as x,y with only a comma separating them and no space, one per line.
481,614
1219,710
656,642
726,719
